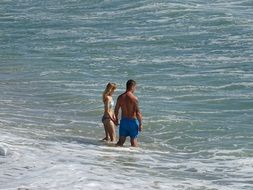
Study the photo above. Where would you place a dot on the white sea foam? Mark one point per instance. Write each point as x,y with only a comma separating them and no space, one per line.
3,150
59,164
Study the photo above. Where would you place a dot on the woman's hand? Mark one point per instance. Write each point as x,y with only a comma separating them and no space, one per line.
114,120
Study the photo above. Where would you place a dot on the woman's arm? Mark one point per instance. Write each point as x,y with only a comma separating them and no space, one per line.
106,105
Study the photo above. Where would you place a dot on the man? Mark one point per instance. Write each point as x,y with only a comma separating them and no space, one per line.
131,117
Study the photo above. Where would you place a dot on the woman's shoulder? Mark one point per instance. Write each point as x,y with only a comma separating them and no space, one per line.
107,98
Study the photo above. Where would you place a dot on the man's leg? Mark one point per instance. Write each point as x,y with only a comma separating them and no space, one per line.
134,142
134,126
121,141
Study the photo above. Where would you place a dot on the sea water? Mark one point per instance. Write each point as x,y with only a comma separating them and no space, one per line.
193,63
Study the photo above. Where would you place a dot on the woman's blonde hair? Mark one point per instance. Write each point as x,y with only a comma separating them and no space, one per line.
109,88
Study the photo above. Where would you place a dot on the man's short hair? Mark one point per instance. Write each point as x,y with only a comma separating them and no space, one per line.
130,83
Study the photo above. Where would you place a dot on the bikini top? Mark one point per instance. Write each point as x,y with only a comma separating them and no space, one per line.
111,104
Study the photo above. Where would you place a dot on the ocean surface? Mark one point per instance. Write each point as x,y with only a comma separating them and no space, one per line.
193,63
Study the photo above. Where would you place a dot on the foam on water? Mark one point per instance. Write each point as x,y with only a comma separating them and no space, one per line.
39,164
3,150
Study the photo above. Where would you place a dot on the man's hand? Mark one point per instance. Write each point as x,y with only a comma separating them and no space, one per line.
140,127
116,122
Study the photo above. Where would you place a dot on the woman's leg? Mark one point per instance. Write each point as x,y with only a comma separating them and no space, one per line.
111,131
106,132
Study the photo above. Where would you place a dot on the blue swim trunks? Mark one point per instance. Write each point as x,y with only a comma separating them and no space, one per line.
129,127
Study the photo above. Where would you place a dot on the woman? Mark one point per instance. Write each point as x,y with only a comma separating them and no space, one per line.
108,117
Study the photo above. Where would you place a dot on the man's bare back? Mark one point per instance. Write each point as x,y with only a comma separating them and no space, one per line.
128,103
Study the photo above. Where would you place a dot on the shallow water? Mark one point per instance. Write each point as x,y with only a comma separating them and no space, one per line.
192,61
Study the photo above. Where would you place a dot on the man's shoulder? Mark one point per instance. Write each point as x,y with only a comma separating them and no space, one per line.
133,97
127,95
120,97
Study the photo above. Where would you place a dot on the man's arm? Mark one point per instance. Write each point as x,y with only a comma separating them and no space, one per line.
139,115
116,111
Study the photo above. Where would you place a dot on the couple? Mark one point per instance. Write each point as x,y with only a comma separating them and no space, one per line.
131,117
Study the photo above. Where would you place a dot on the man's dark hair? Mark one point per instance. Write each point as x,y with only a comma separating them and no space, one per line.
130,83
